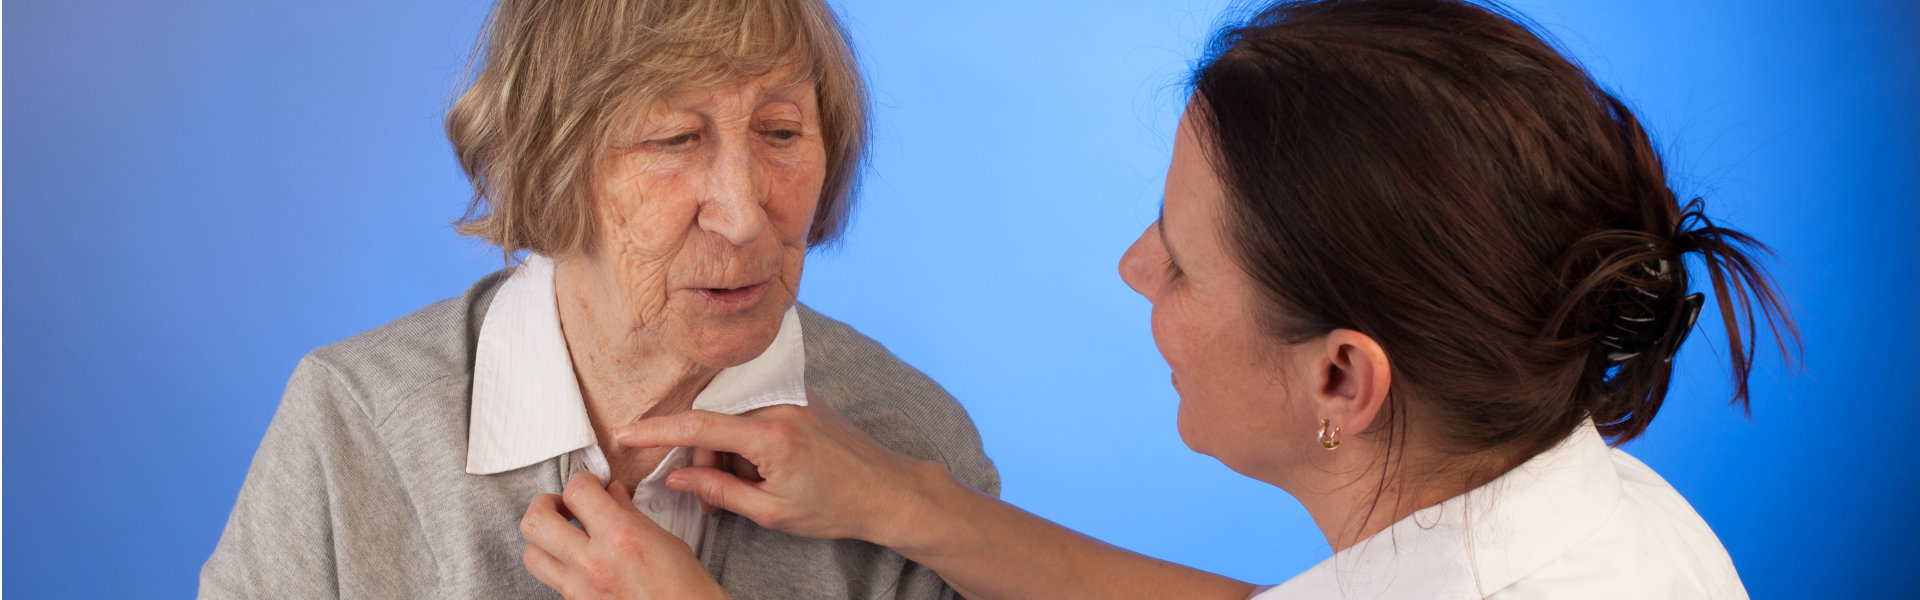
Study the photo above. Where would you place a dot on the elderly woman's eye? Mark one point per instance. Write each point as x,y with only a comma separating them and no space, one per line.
783,136
677,141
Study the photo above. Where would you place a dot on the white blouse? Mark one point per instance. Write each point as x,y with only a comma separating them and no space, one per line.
1581,520
527,406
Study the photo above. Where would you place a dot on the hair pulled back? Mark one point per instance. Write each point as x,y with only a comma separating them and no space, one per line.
1433,174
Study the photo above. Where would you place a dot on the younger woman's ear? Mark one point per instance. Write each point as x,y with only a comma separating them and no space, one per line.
1351,387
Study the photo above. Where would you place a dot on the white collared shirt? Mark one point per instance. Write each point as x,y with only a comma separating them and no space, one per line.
527,407
1580,520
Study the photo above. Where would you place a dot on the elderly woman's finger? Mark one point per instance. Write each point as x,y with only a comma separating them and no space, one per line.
544,527
545,567
697,429
592,504
628,513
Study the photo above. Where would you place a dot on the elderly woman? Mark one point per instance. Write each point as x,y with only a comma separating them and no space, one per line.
1413,267
665,167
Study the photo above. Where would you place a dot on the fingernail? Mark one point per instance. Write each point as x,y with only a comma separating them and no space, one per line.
678,484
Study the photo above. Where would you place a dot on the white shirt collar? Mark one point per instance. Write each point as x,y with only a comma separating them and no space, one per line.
527,406
1482,541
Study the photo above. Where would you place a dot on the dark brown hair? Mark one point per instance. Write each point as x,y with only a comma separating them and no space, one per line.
1433,174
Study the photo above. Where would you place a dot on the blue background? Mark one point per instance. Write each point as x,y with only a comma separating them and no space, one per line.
199,192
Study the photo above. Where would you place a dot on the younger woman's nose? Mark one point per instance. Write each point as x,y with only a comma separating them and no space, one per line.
1135,265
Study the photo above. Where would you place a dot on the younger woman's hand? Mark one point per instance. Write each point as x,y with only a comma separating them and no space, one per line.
801,470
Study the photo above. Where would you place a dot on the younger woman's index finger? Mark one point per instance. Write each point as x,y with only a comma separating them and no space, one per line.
695,429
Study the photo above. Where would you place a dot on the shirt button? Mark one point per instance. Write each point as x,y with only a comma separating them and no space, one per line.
657,504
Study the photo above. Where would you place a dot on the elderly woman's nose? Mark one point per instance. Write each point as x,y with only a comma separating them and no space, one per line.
734,196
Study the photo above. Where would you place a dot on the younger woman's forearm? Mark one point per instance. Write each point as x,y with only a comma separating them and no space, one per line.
987,549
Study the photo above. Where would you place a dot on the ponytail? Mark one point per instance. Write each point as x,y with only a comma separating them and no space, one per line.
1639,310
1433,174
1729,252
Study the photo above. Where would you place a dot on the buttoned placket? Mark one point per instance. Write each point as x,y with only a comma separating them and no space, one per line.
675,512
527,406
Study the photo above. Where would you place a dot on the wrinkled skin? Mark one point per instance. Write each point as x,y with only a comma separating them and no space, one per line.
711,188
702,213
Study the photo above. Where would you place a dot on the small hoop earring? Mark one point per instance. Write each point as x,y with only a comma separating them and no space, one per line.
1329,440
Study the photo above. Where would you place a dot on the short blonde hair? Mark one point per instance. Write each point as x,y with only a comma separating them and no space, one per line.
552,78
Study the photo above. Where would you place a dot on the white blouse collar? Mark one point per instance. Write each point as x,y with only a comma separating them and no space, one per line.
527,406
1482,541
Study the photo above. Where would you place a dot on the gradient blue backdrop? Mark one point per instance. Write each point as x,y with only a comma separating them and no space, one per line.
199,192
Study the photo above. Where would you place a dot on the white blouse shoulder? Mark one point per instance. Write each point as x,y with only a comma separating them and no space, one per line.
1581,520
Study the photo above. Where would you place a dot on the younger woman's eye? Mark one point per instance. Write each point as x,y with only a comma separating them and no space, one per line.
1172,268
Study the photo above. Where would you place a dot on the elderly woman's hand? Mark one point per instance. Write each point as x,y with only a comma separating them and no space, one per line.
811,472
819,476
621,554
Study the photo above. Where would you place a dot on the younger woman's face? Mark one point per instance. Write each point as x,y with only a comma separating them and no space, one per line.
1234,404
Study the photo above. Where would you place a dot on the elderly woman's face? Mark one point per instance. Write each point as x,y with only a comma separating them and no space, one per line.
703,208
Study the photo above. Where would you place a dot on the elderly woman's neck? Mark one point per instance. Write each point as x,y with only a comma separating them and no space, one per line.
623,375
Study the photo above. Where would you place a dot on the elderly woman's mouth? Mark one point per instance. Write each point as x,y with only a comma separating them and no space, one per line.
731,299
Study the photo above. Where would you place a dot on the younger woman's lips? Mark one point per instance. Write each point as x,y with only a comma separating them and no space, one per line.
734,299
